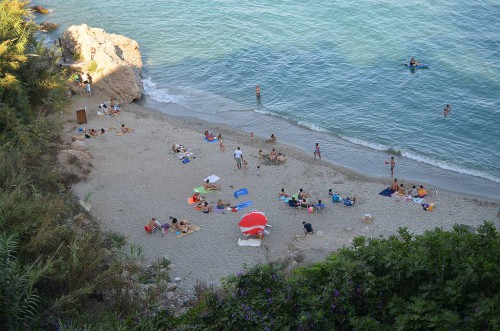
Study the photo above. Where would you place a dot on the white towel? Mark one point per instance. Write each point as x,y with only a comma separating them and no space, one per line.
249,242
212,179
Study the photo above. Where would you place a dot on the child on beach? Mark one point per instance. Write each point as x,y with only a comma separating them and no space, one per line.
330,192
125,129
245,165
260,155
251,137
257,172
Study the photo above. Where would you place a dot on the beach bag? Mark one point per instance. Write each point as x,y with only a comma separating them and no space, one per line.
186,160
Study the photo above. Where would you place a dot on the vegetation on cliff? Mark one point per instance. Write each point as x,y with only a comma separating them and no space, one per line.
51,265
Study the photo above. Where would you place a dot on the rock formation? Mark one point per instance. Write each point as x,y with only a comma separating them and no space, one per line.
47,26
114,61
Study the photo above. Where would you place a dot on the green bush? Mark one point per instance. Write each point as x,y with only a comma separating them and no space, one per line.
438,280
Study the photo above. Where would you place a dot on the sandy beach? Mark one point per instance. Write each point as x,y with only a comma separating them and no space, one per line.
135,177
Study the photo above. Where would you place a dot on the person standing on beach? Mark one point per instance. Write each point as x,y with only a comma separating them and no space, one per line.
393,164
238,156
89,79
317,151
92,53
221,145
251,137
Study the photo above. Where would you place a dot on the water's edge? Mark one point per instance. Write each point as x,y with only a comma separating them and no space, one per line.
358,158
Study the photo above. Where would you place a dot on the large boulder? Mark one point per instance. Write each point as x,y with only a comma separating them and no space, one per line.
116,64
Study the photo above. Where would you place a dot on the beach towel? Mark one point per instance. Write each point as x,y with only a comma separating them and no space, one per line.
201,190
190,200
181,234
249,242
212,179
240,192
243,205
417,200
283,199
211,141
387,192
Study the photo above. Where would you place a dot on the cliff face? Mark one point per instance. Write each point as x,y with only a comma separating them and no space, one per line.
114,61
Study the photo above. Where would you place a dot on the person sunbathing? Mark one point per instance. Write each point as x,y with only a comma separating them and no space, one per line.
210,187
125,129
182,226
93,132
205,208
401,190
280,158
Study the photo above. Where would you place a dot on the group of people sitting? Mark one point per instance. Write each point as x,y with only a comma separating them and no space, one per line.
182,227
415,192
300,200
273,156
203,205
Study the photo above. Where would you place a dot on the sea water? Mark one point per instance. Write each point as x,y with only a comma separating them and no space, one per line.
330,72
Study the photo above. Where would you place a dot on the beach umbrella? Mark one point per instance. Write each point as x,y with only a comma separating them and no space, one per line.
253,222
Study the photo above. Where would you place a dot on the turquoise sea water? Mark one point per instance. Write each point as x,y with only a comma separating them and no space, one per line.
330,71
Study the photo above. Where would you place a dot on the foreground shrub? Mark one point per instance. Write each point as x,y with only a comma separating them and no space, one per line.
438,280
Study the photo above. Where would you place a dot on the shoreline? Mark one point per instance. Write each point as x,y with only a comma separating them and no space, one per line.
134,178
342,153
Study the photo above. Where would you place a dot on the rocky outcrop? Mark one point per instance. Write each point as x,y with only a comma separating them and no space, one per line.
47,26
40,9
114,61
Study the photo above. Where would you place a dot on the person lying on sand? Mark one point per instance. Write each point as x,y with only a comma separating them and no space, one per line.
210,187
182,226
280,158
125,129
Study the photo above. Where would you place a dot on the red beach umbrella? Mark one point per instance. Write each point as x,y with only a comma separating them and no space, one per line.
253,223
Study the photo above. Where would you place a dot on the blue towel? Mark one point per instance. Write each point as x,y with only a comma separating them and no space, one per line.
387,192
243,191
211,141
244,205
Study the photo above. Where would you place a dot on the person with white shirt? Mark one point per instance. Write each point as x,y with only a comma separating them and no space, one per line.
238,156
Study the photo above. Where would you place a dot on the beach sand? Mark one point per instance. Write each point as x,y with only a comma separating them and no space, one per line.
135,177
